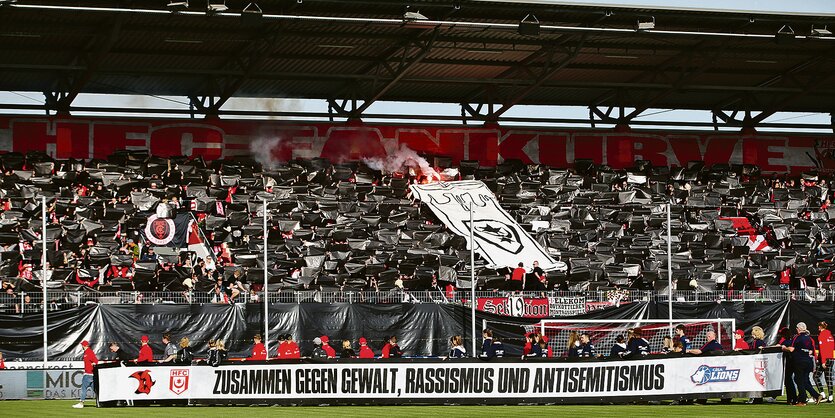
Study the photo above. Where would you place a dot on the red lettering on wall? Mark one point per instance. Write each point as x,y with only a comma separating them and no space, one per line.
70,140
204,141
717,149
588,147
212,139
511,147
110,138
344,144
622,151
553,150
484,147
756,151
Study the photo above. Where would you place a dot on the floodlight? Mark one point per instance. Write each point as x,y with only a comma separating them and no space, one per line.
217,6
785,35
412,16
824,31
646,24
252,14
529,26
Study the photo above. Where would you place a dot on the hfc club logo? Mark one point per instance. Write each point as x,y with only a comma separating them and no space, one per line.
145,381
179,381
159,231
760,366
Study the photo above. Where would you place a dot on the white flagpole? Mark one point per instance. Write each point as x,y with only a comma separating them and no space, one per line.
266,294
669,268
473,299
43,286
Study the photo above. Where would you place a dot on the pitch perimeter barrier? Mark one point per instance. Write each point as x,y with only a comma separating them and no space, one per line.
432,381
62,299
29,383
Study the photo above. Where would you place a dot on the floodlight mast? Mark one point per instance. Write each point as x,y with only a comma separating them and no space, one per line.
670,267
43,290
266,339
473,300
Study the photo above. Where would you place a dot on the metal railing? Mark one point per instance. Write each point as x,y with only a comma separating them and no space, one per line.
63,300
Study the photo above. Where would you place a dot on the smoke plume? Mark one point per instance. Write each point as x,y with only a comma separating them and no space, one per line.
403,158
262,150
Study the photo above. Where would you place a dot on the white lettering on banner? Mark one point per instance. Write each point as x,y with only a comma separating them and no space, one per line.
662,377
515,306
499,239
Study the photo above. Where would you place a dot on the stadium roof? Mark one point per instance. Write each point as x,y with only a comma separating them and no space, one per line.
354,53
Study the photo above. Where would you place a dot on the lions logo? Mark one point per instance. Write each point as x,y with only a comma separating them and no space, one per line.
708,374
144,380
159,231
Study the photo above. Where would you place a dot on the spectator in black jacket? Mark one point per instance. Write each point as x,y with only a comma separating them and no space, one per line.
121,356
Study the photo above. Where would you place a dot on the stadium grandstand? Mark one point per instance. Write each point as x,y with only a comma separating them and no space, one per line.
212,220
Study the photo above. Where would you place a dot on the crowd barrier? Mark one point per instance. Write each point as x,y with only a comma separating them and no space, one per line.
61,299
434,381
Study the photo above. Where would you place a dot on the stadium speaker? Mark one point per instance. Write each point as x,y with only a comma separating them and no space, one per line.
529,26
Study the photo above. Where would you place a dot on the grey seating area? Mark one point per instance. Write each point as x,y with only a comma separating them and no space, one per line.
338,227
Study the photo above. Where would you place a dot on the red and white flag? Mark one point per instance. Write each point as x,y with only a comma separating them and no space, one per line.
758,243
196,242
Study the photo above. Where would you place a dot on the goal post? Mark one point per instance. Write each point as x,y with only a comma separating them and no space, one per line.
603,333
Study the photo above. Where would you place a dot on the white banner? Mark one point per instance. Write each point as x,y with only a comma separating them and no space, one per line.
562,306
499,239
747,375
29,384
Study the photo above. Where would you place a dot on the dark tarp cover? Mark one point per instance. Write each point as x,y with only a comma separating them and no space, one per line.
422,329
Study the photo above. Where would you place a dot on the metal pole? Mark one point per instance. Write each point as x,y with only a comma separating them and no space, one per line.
43,288
473,300
266,294
670,268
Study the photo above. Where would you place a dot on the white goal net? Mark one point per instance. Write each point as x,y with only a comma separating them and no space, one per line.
604,333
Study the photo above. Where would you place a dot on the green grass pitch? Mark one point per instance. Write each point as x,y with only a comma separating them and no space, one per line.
738,409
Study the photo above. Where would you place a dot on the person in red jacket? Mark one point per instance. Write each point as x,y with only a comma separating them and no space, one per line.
517,278
391,349
290,349
328,349
145,353
528,344
259,352
826,348
365,351
90,361
282,343
2,363
739,343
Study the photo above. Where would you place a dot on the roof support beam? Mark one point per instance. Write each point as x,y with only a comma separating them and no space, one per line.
788,74
543,77
683,77
383,74
398,73
242,66
782,103
70,85
603,117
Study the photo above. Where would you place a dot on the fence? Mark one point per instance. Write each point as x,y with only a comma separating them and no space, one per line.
62,300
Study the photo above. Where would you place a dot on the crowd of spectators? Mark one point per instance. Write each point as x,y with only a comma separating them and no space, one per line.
347,227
